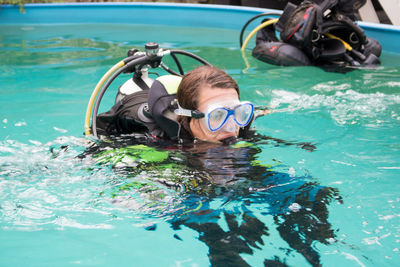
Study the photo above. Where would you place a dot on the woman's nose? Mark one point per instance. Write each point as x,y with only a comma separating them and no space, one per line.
230,125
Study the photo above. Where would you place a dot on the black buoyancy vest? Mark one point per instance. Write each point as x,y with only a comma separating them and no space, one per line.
126,116
143,111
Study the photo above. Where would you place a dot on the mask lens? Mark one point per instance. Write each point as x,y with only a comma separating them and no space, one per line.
216,118
243,114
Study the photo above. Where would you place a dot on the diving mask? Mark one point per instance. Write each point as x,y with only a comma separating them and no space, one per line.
218,114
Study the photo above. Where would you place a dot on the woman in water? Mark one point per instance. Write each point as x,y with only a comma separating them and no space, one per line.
208,119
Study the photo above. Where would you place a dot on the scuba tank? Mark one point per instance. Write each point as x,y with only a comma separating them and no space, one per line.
131,86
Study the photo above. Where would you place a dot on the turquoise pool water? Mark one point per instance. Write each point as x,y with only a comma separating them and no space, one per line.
337,205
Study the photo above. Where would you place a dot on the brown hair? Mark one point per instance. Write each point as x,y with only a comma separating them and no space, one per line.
188,90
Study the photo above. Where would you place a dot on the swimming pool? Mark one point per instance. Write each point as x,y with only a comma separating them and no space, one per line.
338,204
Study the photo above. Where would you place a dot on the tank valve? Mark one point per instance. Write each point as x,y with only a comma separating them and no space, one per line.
151,48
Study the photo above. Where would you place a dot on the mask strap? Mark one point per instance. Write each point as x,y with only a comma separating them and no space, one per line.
188,113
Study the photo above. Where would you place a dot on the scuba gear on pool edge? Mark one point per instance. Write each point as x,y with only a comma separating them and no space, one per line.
318,32
144,105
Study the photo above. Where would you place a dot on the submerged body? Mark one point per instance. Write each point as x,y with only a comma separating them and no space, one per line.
202,173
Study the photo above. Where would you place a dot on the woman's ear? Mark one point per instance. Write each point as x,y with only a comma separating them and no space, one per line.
195,128
191,125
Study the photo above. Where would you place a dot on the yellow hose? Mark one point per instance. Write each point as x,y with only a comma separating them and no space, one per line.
246,62
95,92
259,27
346,45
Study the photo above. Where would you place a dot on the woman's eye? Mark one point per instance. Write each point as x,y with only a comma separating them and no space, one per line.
217,114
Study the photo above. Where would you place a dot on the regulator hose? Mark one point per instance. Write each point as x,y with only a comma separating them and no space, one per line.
178,64
97,89
182,52
259,27
347,46
252,19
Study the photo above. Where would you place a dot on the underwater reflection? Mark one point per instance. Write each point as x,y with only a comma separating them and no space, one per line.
233,200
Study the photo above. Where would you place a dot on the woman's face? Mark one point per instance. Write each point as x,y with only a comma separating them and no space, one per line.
209,96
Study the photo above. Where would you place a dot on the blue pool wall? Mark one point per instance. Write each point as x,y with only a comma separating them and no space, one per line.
191,15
